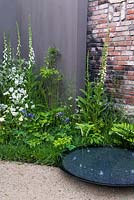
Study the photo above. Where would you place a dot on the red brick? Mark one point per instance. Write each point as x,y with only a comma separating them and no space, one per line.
129,37
129,101
122,28
131,57
112,29
130,17
123,33
123,43
127,53
118,67
122,63
130,11
120,38
111,49
102,35
129,92
103,21
102,26
121,46
114,53
129,82
129,97
131,78
130,73
122,58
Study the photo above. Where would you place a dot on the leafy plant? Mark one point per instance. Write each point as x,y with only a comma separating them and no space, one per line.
43,154
89,134
124,131
63,143
96,111
50,80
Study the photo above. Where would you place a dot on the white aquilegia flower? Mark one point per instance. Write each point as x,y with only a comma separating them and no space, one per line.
13,69
18,97
33,106
22,91
3,107
14,114
11,89
12,109
26,105
16,82
21,79
6,93
13,95
2,119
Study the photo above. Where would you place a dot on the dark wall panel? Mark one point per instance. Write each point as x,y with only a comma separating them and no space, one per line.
8,18
59,23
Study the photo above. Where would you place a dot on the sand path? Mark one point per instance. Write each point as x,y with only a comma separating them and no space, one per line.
33,182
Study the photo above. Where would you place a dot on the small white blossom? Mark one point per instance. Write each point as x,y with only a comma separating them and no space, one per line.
70,98
13,95
16,82
26,105
18,97
33,106
13,109
21,118
2,119
3,107
13,69
20,109
11,89
6,93
76,99
14,113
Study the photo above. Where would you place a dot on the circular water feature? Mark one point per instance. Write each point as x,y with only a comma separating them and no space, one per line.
101,165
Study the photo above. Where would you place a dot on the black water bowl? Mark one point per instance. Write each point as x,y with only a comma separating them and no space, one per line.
101,165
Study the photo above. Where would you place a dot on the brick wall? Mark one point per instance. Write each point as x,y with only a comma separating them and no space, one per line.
118,15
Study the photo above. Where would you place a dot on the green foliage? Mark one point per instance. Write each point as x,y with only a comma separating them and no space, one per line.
32,126
93,104
50,80
89,134
15,153
85,128
35,126
125,131
96,110
51,57
43,154
63,143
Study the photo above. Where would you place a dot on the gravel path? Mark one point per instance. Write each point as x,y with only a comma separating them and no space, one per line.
32,182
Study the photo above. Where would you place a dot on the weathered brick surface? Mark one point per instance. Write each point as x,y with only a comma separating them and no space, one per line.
118,17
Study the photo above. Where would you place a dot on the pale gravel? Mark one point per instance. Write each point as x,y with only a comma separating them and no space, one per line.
33,182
